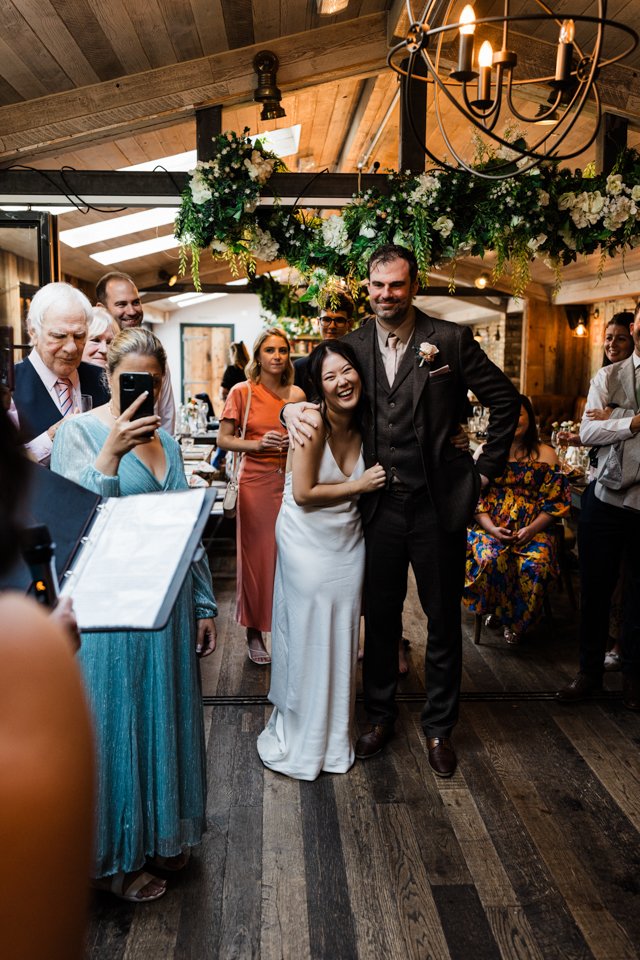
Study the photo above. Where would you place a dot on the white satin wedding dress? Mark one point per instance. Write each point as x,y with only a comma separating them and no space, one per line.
314,636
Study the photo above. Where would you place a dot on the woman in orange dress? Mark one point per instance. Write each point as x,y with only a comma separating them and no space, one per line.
261,478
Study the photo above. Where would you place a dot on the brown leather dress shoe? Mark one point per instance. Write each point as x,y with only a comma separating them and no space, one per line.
631,693
581,688
374,740
442,756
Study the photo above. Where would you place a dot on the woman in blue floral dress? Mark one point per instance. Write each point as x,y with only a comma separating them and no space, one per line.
511,555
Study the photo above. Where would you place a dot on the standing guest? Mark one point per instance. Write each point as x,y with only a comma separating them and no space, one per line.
234,373
261,478
334,322
144,688
50,381
417,371
102,330
511,553
118,294
315,631
609,532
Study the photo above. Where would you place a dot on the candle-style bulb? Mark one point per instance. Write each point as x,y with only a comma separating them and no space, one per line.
485,57
567,32
468,19
465,71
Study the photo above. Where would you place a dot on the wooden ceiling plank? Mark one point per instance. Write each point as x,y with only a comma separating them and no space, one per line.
266,20
238,22
53,35
8,94
209,22
18,76
154,35
354,48
178,17
116,24
16,17
87,34
293,17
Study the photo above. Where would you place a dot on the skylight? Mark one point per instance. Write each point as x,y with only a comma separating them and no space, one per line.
118,226
134,250
285,143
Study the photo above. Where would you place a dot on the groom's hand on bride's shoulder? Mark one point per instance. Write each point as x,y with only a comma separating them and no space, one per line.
299,422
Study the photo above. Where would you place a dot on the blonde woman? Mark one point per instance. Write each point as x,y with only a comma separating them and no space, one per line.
261,478
143,688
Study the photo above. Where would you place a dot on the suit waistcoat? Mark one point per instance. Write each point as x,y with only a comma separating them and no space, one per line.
397,444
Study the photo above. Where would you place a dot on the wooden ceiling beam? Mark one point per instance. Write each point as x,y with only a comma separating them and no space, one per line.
348,49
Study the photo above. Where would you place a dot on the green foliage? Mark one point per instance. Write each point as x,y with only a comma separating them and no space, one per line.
442,215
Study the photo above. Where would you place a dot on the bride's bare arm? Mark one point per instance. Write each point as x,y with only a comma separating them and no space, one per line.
307,492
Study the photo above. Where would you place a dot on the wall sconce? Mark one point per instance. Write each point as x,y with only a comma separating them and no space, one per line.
578,319
169,278
596,313
581,330
267,93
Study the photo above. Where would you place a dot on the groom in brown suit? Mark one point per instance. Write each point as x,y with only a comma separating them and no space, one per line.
417,371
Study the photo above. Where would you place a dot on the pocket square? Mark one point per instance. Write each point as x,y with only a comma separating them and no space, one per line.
437,373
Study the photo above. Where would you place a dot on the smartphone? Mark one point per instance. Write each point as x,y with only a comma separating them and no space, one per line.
131,386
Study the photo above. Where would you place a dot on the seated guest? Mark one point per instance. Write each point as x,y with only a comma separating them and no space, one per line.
48,384
118,294
333,323
102,330
143,687
511,555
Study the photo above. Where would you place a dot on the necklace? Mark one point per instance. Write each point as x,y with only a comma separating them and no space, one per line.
111,410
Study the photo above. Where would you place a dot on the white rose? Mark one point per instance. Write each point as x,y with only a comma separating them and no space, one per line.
566,201
367,232
444,226
614,184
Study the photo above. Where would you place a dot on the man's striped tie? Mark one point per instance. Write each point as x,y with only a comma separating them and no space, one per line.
63,389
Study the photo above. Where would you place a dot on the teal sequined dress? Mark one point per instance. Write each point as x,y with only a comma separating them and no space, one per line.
143,688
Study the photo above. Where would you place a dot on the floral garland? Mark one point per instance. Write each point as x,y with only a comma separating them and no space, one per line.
547,213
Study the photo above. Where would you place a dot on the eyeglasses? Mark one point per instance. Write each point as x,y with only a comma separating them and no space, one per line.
336,321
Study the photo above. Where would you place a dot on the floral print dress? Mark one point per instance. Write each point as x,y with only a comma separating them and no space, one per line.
506,580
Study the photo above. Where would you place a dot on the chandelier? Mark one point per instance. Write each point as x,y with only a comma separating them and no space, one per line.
482,84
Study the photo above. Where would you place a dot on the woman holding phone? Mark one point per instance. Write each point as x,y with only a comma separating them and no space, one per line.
143,687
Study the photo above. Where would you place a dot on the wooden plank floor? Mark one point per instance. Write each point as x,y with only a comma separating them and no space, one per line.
531,850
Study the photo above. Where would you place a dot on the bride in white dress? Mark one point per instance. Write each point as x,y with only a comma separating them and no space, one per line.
318,584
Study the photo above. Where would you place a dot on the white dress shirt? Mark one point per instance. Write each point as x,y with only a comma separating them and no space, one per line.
600,433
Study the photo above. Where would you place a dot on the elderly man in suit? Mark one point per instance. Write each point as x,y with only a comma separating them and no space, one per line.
417,371
609,529
118,294
50,382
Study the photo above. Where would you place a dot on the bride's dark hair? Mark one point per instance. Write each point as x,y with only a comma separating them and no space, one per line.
314,375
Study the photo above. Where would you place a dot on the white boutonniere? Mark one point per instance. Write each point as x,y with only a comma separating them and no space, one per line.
426,352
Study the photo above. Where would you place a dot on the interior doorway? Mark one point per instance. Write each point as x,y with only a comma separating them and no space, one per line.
205,355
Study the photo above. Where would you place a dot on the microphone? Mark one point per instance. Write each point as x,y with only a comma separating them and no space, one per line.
38,552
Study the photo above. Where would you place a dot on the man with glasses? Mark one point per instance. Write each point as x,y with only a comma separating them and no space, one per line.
334,323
